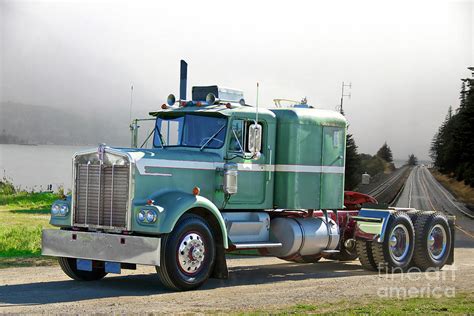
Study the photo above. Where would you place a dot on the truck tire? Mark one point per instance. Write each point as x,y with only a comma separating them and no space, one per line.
344,254
395,253
432,241
364,252
187,254
305,259
68,265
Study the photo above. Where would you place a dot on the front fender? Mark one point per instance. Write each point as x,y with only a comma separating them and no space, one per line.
170,206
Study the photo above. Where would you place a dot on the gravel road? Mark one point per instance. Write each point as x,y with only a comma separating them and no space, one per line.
255,283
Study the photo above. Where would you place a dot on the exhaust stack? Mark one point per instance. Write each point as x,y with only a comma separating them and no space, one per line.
183,80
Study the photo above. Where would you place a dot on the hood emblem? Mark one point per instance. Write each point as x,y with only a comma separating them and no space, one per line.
101,151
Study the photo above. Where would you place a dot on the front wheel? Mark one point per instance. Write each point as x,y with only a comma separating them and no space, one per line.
68,265
187,254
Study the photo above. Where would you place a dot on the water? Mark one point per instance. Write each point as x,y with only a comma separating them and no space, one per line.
34,167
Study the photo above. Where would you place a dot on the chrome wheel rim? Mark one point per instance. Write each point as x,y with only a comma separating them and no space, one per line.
191,253
399,242
437,242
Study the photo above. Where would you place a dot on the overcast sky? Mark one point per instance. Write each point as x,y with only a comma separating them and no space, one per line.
404,59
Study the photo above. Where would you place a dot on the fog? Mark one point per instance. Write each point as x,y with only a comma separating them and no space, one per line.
404,59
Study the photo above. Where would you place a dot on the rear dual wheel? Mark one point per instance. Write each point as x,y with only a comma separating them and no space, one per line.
432,241
395,253
187,254
364,251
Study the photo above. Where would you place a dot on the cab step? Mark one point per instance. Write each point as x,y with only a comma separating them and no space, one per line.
330,252
257,245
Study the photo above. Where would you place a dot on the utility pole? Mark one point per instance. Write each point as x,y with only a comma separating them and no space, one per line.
341,109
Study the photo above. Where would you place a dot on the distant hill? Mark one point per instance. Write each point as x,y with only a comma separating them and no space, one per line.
35,124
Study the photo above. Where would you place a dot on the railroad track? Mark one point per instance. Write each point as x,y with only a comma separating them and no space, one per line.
387,184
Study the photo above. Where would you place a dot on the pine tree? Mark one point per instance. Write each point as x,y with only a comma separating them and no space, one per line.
412,160
385,153
452,147
352,176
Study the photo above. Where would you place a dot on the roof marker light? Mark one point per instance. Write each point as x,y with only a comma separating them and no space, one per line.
164,106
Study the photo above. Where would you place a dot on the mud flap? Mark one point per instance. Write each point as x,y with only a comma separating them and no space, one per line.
452,227
220,270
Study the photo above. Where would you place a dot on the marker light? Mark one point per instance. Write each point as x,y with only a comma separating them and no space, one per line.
196,190
164,106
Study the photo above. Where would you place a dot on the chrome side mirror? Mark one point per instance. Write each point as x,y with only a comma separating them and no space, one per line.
255,139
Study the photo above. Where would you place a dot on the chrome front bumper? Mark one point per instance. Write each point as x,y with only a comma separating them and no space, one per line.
101,246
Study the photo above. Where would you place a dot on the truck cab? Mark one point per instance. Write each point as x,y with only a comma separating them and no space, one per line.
220,176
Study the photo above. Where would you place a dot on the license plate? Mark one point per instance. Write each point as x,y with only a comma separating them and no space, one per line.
84,265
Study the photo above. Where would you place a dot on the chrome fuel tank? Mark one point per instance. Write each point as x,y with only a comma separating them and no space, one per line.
302,236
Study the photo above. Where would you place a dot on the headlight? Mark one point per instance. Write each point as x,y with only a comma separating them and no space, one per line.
63,210
141,216
147,216
151,216
59,209
55,209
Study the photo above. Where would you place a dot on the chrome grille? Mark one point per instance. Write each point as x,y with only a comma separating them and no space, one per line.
101,195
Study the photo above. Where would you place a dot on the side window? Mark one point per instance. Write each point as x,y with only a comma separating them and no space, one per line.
237,136
336,140
245,136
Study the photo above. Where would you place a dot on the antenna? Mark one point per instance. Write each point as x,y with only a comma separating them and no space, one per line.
131,102
341,109
256,116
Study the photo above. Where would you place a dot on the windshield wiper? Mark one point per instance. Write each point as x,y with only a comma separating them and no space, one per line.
161,137
212,137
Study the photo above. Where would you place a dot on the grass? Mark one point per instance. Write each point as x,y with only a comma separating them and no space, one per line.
27,200
461,191
461,304
22,217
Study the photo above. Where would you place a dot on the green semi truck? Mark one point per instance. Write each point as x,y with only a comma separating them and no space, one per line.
223,176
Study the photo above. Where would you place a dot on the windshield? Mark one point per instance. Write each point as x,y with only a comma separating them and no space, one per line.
190,131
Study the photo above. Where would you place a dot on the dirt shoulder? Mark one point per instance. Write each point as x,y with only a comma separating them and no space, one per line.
255,284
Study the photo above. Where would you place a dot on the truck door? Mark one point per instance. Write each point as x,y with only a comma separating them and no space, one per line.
253,173
332,167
